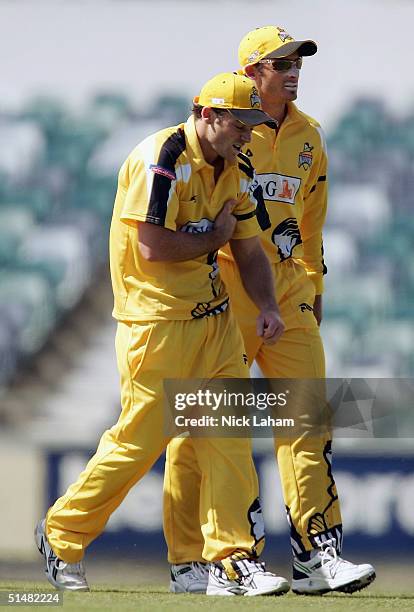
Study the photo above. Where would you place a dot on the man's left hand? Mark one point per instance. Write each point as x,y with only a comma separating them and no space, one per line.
269,326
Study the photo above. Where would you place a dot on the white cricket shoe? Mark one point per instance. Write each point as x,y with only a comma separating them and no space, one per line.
189,578
326,572
251,580
63,576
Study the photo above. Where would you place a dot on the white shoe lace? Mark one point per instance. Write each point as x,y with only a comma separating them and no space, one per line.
255,567
329,556
259,566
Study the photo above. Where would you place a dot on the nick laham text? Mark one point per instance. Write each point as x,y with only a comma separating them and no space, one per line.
232,421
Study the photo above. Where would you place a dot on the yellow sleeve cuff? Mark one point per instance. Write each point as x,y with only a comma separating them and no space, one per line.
317,279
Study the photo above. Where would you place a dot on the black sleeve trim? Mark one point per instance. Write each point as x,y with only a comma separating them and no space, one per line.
321,179
169,154
246,216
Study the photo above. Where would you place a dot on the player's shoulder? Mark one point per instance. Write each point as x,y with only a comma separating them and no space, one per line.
310,124
307,119
168,142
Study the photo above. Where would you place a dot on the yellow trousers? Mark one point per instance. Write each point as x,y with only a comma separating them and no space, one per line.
304,462
227,488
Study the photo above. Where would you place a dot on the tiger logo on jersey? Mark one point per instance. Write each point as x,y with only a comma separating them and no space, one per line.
202,227
286,236
198,227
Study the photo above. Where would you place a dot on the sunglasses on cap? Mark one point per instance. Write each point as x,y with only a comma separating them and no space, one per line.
282,64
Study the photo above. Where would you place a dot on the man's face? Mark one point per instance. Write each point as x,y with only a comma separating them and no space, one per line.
277,87
227,135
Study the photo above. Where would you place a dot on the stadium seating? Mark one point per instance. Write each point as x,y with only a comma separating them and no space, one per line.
57,184
371,159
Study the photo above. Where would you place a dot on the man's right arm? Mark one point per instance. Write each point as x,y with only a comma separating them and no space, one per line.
157,243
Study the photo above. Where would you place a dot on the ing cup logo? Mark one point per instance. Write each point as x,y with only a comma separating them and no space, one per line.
254,98
305,158
283,35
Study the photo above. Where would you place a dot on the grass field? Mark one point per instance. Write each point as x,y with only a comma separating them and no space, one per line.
156,598
143,586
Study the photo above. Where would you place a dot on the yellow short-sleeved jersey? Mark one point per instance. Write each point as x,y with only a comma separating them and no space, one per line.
166,181
291,167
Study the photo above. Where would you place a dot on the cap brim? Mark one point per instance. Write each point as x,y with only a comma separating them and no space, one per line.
303,47
252,117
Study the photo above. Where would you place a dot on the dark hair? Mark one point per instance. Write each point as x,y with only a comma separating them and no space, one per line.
258,67
197,108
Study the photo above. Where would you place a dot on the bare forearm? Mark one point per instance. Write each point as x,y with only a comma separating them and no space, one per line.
258,282
256,275
317,308
160,244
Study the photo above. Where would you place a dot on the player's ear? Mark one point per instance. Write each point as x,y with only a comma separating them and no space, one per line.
250,72
207,114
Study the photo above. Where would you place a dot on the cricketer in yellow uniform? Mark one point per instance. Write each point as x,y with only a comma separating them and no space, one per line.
168,312
291,167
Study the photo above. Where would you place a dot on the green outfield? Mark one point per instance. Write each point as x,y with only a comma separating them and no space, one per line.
153,597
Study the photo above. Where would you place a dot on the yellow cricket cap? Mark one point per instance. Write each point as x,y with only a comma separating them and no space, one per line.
271,41
238,94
